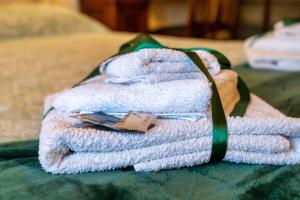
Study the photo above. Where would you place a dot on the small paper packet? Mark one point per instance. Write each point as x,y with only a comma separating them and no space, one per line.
131,122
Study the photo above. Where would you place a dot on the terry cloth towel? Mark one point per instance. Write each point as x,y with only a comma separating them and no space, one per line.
269,52
176,97
262,136
156,65
285,30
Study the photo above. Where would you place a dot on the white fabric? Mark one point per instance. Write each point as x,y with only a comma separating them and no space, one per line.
179,97
270,52
290,32
263,136
156,65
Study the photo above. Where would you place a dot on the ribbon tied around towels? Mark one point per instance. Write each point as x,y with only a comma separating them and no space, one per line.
220,130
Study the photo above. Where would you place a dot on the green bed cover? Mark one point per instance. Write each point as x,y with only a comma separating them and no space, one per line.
22,177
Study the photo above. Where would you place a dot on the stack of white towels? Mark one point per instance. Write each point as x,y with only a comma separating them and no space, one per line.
276,50
163,82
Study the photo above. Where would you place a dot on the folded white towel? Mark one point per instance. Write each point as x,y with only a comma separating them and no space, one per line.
179,96
156,65
269,42
270,52
190,159
261,136
288,32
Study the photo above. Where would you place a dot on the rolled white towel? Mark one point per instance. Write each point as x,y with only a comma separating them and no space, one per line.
269,52
254,138
287,31
180,96
156,65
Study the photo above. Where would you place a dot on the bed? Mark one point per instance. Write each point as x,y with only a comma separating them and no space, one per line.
33,67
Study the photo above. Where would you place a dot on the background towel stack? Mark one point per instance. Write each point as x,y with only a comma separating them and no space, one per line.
277,50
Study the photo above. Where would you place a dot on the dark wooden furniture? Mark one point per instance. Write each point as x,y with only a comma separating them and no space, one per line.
206,18
122,15
267,15
104,11
214,19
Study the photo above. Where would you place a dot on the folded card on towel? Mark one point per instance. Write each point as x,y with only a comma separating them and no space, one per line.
132,121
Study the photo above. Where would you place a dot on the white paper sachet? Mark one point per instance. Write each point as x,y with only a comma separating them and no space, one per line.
131,122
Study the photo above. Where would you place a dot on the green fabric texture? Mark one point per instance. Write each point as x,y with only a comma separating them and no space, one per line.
22,177
28,20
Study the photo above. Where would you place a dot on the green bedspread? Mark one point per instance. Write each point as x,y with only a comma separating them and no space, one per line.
22,177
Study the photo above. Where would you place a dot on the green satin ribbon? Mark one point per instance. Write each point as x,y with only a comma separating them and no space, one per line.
290,21
241,106
220,129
